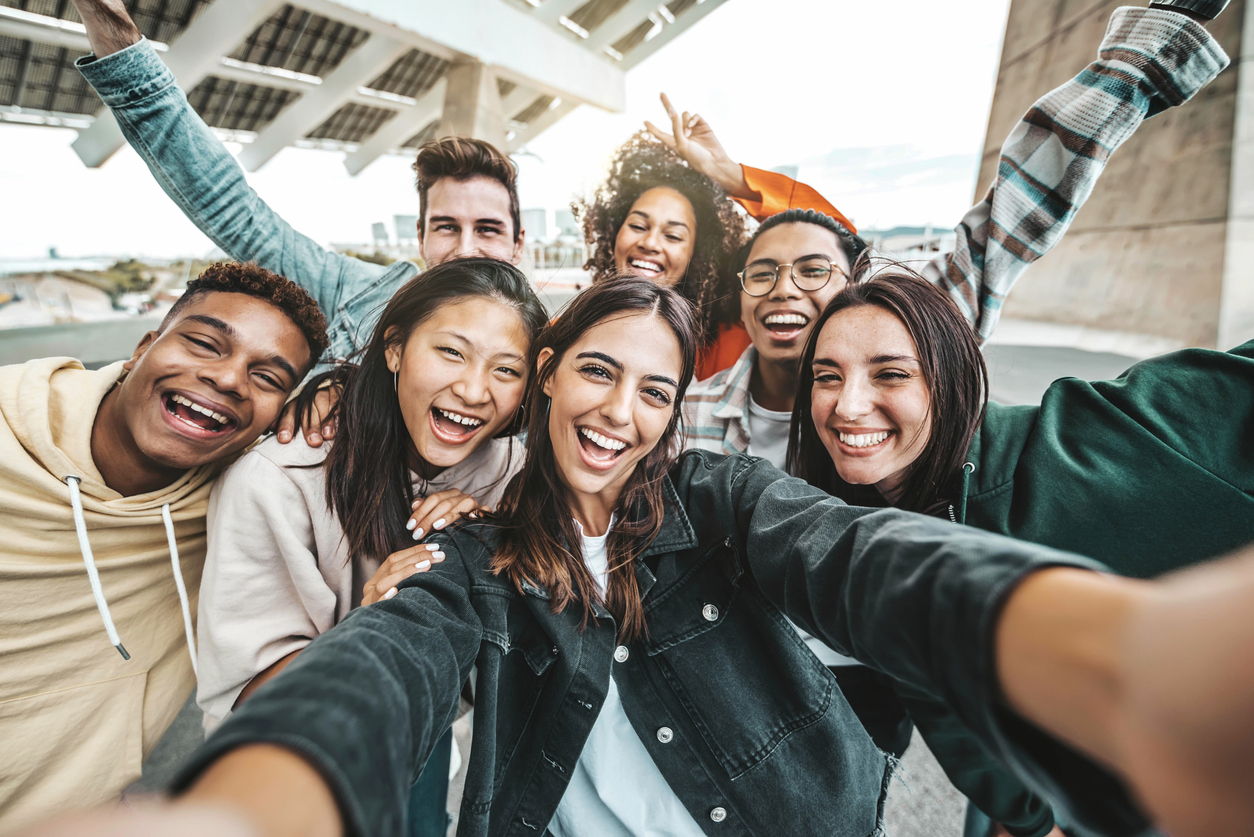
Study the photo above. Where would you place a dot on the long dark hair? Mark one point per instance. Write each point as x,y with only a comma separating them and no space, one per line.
953,369
640,164
368,480
539,543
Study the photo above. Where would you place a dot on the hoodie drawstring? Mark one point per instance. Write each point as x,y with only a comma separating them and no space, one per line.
76,502
178,581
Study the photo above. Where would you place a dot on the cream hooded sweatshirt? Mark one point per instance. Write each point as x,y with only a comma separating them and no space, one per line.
76,719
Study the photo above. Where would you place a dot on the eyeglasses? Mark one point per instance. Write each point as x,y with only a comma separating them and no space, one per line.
760,278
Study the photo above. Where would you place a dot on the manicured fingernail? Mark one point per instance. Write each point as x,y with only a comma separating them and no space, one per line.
389,594
437,556
411,524
433,547
414,504
439,524
285,436
422,565
418,533
326,430
314,439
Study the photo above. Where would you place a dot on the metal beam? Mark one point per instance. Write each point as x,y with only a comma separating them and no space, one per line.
23,70
398,129
540,124
621,23
15,23
517,99
513,42
194,55
472,104
366,62
669,33
551,10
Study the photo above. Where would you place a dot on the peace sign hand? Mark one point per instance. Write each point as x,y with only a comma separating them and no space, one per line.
693,139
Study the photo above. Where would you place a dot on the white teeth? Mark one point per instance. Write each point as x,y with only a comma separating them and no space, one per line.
787,319
601,441
191,405
653,267
460,419
864,440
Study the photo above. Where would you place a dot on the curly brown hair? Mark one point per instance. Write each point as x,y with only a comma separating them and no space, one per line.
640,164
250,279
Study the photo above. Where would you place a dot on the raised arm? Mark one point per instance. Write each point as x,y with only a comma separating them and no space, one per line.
196,170
761,193
1150,60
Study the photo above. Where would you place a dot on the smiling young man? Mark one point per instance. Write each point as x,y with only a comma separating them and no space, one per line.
105,478
467,189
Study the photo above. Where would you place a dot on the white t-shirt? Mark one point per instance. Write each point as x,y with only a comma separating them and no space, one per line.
598,800
768,433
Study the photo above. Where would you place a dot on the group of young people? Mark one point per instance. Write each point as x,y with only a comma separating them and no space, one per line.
707,544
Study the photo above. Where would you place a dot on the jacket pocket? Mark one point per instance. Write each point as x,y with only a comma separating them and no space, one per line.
70,748
741,672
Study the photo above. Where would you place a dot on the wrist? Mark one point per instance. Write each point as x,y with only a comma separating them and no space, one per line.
731,177
109,30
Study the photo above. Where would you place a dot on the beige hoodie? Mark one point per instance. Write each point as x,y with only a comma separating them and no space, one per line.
76,719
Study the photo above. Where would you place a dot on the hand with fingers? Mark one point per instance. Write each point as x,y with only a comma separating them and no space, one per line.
693,139
435,511
317,421
398,567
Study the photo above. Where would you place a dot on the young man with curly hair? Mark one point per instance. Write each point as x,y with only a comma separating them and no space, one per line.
105,478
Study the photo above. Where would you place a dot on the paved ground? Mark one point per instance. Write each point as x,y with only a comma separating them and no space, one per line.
922,803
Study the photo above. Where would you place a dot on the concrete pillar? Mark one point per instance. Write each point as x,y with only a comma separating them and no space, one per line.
472,104
1164,248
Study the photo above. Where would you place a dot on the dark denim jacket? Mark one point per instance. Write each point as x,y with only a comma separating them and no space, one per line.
761,736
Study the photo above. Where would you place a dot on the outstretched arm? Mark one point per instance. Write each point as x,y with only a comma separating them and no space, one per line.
761,193
197,171
1150,60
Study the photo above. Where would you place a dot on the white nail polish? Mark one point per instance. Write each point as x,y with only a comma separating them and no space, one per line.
422,565
439,524
432,547
389,594
411,524
418,534
438,556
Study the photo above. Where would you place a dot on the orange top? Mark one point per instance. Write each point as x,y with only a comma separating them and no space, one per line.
776,193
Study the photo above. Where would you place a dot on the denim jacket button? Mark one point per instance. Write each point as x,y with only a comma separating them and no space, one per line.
665,735
620,654
710,612
718,814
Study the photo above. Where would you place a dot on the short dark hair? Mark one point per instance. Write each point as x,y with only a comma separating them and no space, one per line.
953,369
462,158
248,278
850,242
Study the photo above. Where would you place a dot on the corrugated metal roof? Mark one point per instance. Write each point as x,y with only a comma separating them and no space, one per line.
412,75
236,106
635,37
595,12
352,123
533,110
301,41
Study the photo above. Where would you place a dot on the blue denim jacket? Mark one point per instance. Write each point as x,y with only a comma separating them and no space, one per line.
202,177
761,737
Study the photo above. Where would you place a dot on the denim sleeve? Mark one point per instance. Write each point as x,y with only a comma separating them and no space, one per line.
918,599
202,177
366,701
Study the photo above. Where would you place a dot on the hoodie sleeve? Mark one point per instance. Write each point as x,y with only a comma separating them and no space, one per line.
262,595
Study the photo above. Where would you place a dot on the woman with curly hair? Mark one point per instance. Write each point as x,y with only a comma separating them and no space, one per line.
668,213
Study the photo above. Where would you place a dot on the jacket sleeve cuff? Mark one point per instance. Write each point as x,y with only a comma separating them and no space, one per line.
1208,9
1174,56
128,75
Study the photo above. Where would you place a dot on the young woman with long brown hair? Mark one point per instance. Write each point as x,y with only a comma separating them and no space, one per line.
299,535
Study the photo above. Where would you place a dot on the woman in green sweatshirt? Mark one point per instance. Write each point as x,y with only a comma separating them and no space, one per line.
1146,473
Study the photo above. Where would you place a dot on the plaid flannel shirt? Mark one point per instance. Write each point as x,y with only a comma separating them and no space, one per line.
1150,60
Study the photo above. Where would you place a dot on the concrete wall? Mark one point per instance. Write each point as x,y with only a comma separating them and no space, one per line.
1147,253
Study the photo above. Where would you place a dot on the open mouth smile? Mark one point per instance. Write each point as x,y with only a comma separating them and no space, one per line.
454,428
196,419
598,451
786,325
863,444
646,266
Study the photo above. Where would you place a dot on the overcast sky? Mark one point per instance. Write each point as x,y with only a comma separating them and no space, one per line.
882,103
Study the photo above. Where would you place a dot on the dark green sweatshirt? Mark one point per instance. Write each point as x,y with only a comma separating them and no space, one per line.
1146,473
